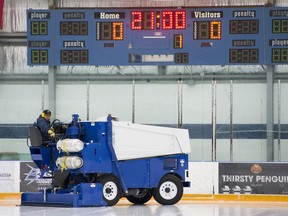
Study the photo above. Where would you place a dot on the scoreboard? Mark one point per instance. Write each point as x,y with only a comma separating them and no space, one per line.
158,36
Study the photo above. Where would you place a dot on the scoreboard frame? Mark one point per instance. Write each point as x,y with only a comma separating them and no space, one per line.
158,36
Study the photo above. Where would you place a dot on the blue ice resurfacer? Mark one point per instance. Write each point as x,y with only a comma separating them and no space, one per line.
96,163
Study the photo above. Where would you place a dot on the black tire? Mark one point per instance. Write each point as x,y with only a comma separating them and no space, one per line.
111,192
169,190
141,198
91,178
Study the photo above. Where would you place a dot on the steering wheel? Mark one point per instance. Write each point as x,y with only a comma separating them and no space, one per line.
57,126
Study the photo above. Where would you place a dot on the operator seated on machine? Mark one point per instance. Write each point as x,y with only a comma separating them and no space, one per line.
43,124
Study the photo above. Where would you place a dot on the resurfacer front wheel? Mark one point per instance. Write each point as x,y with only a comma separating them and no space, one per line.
169,190
111,190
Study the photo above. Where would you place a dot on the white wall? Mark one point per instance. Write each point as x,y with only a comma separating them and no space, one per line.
104,99
14,146
70,99
156,103
20,103
249,103
283,104
243,150
114,99
284,150
197,103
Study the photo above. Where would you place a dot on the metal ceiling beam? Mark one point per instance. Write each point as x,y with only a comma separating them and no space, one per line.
52,89
13,39
54,3
95,77
270,112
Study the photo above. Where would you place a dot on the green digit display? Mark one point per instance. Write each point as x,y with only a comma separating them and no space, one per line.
39,28
280,26
35,56
280,55
43,56
276,26
284,55
276,55
284,26
35,28
43,28
39,56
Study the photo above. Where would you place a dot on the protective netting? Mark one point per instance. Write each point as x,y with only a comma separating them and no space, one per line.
14,13
158,3
13,59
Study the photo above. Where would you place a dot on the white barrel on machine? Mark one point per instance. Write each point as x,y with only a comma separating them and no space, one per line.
69,162
70,145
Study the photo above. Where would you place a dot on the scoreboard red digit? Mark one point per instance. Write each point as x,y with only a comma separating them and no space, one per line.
145,20
158,36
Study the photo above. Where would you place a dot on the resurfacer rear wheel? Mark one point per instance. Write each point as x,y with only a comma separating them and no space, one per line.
111,190
169,190
141,198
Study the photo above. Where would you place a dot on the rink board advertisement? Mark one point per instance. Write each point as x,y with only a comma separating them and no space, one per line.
253,178
30,180
9,176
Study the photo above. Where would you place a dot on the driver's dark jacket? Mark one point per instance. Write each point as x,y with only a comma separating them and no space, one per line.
43,125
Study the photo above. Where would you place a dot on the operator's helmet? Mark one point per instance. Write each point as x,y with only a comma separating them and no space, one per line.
46,112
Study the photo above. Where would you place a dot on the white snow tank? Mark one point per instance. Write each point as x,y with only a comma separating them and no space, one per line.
133,141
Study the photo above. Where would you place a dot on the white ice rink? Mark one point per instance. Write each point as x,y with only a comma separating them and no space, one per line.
152,208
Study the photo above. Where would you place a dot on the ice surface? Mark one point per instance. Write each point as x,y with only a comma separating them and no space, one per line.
124,208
